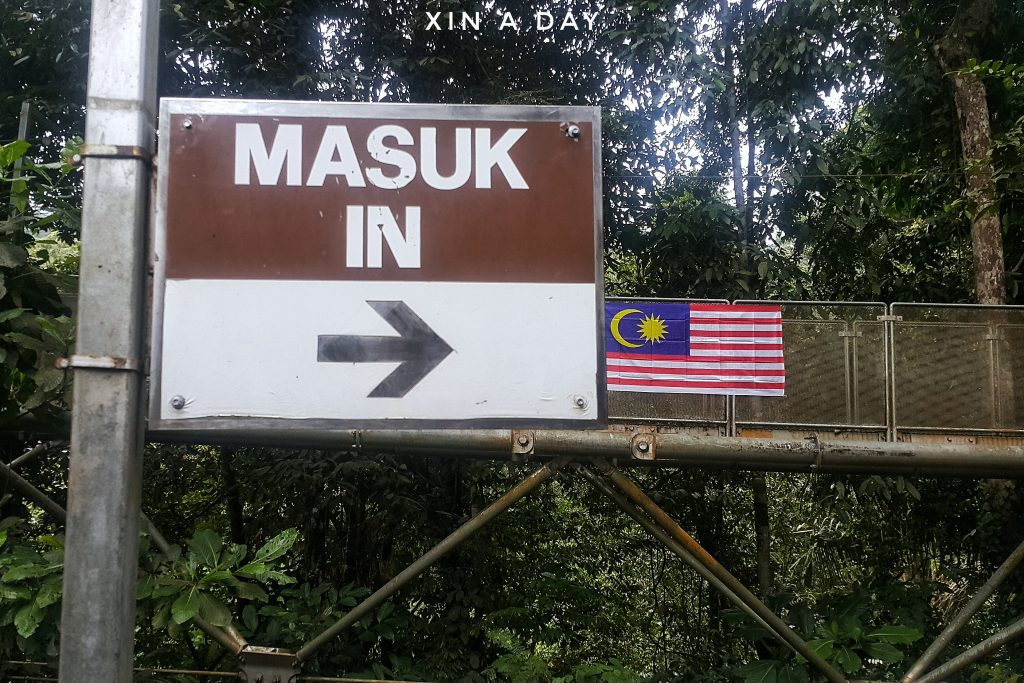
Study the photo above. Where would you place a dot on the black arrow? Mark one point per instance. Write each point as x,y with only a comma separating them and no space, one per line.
417,348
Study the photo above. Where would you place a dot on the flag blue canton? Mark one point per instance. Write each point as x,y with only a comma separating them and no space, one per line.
623,327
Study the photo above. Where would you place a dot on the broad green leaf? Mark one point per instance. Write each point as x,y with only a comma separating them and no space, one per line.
277,546
10,314
186,606
161,616
205,547
253,570
213,610
3,538
884,652
896,634
250,591
792,674
49,593
221,576
764,671
145,587
12,151
250,618
11,255
14,592
822,646
848,660
27,619
280,578
26,571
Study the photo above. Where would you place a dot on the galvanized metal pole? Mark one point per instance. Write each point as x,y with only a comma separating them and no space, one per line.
662,536
98,614
641,499
521,490
964,615
968,657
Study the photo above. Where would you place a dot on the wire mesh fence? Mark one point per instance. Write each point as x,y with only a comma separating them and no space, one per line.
958,367
894,369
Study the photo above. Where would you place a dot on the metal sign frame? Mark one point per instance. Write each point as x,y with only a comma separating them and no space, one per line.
279,429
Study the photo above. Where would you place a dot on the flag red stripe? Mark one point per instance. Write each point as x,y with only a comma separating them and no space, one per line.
697,359
736,333
735,321
693,384
730,308
698,371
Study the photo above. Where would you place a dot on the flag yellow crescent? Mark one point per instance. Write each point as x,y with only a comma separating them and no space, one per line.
615,327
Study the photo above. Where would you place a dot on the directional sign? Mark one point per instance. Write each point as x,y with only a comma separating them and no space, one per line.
417,349
344,265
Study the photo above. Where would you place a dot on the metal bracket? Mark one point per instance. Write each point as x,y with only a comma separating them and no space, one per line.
268,665
889,318
522,442
99,363
111,152
851,334
643,445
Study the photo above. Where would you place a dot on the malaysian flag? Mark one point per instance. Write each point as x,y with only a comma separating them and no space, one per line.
678,348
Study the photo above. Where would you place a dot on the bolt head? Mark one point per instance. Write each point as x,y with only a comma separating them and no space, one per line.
580,402
177,402
187,124
523,440
573,132
643,446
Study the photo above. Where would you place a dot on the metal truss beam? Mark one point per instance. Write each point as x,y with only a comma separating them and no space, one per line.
656,449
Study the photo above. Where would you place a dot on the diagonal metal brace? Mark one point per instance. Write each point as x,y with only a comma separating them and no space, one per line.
521,490
635,494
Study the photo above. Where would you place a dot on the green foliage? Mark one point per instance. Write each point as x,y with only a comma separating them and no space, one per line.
31,572
843,640
35,270
208,578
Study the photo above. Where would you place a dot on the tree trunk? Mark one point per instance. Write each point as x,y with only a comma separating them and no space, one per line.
763,535
730,98
973,21
232,495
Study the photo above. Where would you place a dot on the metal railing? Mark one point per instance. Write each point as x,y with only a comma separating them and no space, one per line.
868,370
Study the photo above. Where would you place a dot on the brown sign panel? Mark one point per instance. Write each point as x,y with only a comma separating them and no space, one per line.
493,198
321,265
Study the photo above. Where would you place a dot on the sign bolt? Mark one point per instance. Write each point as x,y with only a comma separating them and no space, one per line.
178,402
523,440
187,124
580,402
572,132
643,446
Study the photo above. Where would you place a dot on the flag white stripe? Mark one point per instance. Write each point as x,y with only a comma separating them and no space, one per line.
736,340
696,377
646,389
711,365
